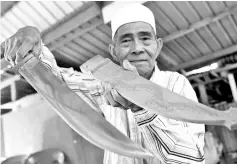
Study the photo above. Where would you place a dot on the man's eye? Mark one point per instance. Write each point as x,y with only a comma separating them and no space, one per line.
126,40
145,38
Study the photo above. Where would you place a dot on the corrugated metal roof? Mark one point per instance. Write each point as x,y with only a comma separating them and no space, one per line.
207,27
194,32
7,5
41,14
190,30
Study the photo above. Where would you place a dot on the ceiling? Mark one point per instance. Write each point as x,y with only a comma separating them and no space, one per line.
6,6
195,33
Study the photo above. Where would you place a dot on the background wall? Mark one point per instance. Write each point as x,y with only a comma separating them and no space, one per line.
33,126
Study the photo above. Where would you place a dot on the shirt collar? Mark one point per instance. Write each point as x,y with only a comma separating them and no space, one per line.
155,72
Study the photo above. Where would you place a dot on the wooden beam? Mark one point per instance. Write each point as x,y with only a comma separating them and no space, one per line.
214,72
9,81
82,17
76,34
13,91
6,6
207,78
3,148
203,94
183,72
211,81
226,68
198,80
206,58
9,105
204,22
233,87
224,74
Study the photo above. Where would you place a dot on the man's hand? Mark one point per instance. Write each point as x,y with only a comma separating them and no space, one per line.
114,98
18,46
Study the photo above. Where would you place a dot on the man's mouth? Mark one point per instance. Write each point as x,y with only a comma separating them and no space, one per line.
137,61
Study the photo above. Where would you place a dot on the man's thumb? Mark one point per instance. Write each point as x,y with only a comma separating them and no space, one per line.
129,67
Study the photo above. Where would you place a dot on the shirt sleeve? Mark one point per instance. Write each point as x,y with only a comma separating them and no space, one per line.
173,141
84,85
48,60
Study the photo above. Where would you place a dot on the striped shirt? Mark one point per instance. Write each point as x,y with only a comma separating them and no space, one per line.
171,141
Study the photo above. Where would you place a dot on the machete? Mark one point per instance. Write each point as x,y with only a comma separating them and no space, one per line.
155,98
75,111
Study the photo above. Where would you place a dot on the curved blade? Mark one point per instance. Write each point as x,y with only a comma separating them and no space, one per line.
155,98
77,113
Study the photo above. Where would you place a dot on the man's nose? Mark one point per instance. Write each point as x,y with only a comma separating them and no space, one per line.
137,47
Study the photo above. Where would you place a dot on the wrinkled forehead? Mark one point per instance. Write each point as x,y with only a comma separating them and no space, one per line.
135,28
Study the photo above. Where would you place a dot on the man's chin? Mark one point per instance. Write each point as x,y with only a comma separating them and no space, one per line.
141,66
141,70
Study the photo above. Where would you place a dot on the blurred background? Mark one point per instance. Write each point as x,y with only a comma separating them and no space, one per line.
200,42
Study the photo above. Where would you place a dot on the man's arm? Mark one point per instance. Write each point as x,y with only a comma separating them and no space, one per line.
85,86
170,140
48,60
28,40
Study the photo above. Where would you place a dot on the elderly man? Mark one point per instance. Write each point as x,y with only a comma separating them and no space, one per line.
135,47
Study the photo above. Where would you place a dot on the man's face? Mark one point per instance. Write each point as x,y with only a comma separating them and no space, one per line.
137,43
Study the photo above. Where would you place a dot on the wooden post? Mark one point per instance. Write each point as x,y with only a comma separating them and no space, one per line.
233,86
13,91
2,141
203,94
9,81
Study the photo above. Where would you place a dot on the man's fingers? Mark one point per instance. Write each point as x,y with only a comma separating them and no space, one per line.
5,49
111,100
26,46
37,47
119,99
8,56
114,98
108,96
13,50
128,66
18,45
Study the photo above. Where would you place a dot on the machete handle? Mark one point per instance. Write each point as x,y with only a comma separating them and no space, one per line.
93,64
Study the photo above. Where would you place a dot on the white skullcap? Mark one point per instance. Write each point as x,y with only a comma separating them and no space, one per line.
132,13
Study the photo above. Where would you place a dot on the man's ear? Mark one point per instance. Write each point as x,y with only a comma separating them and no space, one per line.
112,52
159,45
